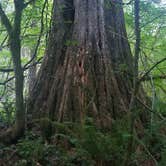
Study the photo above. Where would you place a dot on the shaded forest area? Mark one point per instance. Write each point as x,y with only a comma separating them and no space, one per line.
82,83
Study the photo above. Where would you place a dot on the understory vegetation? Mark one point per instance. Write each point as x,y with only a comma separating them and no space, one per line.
87,146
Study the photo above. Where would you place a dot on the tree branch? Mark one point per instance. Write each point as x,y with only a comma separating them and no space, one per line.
5,82
149,109
40,35
24,68
148,78
5,20
29,2
147,72
6,70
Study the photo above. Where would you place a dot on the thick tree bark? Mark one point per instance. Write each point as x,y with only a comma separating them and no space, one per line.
88,66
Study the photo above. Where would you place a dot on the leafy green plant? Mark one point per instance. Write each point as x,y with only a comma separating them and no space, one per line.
30,149
88,145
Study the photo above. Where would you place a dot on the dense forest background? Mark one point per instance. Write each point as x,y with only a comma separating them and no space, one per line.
52,112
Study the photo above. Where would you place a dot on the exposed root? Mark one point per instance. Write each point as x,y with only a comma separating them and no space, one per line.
11,135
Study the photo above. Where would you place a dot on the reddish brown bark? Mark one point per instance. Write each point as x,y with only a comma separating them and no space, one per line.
87,69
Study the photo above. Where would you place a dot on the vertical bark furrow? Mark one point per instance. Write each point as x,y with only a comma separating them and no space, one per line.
62,27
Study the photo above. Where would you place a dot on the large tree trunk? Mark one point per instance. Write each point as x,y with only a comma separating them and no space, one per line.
88,67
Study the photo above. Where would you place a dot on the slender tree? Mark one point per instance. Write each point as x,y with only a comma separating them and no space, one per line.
14,32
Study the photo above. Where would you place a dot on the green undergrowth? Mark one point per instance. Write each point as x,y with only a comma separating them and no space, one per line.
85,145
75,144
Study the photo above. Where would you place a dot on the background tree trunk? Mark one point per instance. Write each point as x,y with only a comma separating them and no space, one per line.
88,66
32,73
14,31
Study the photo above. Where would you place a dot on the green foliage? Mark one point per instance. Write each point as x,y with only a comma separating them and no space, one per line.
7,111
35,24
153,143
160,106
33,150
89,144
29,148
163,158
75,144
